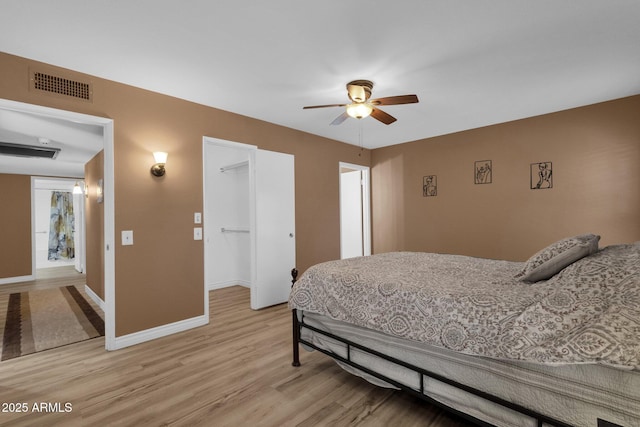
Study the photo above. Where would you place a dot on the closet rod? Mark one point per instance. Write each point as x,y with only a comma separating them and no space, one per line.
234,230
234,166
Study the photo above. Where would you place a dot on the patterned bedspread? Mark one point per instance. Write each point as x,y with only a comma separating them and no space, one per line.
587,313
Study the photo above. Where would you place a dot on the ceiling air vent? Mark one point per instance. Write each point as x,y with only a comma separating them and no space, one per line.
61,86
9,149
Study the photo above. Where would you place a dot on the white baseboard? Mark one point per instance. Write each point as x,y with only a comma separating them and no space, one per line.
94,297
159,332
226,284
17,279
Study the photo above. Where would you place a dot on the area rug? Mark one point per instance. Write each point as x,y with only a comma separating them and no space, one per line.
44,319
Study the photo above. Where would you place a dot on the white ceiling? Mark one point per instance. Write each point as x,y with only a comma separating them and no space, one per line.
78,143
472,63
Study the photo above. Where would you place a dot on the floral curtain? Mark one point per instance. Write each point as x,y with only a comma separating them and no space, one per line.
61,226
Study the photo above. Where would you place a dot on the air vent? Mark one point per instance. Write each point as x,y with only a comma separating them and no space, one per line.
61,86
9,149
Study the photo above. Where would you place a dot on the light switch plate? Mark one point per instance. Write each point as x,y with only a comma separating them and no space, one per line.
197,233
127,237
197,218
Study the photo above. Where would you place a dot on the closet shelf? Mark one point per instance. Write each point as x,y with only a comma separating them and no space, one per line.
234,166
234,230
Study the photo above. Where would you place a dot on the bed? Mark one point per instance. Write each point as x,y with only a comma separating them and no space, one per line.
554,341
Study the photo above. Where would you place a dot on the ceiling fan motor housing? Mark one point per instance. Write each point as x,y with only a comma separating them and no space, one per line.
359,90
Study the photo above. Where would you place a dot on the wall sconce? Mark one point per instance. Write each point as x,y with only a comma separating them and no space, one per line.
81,188
99,191
77,189
158,168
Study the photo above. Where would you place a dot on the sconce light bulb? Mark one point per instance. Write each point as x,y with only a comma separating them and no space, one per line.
77,189
160,156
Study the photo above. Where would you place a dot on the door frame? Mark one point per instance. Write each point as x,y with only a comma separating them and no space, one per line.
366,204
108,198
250,149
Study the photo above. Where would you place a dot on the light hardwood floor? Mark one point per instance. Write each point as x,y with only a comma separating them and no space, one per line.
236,371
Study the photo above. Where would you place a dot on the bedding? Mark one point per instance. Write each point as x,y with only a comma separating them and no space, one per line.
551,260
575,394
587,313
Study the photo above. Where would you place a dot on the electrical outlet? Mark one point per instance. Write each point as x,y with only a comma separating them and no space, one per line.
197,218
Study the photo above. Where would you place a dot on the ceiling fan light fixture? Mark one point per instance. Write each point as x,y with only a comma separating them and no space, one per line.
359,110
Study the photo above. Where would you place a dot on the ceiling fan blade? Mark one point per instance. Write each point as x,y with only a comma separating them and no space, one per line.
383,117
341,118
323,106
395,100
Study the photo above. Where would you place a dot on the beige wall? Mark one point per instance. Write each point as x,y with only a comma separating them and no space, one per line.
15,217
159,280
595,151
94,225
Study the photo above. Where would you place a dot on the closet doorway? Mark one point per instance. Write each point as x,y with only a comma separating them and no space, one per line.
249,220
355,228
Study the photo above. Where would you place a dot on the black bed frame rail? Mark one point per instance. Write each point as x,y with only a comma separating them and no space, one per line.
297,339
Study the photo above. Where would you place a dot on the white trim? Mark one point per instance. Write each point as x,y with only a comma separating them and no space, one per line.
109,239
227,143
205,237
228,283
94,297
109,213
366,211
17,279
253,230
158,332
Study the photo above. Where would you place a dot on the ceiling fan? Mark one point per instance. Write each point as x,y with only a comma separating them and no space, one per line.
359,92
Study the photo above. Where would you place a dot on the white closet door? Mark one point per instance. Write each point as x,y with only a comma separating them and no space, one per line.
275,253
351,238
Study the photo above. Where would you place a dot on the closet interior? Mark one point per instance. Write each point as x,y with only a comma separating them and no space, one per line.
249,220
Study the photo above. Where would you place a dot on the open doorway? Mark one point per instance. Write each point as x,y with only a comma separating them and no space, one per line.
57,211
355,219
22,123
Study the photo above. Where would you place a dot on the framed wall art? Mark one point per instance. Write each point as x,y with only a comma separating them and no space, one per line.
483,172
541,175
430,185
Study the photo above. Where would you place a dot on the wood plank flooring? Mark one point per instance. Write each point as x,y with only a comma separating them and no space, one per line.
236,371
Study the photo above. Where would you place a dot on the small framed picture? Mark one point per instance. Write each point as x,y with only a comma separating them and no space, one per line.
430,185
483,172
541,175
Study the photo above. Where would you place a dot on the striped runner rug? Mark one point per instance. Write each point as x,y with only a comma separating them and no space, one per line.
44,319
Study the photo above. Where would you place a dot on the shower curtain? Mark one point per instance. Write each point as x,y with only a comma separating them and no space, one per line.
61,226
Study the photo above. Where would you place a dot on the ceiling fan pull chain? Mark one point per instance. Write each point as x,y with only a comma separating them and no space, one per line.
360,138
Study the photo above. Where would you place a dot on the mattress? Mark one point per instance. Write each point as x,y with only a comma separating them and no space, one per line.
587,313
577,394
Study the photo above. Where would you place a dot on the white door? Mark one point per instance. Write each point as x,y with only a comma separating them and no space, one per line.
351,214
355,222
275,247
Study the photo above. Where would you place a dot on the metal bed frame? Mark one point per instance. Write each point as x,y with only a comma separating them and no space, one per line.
299,324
